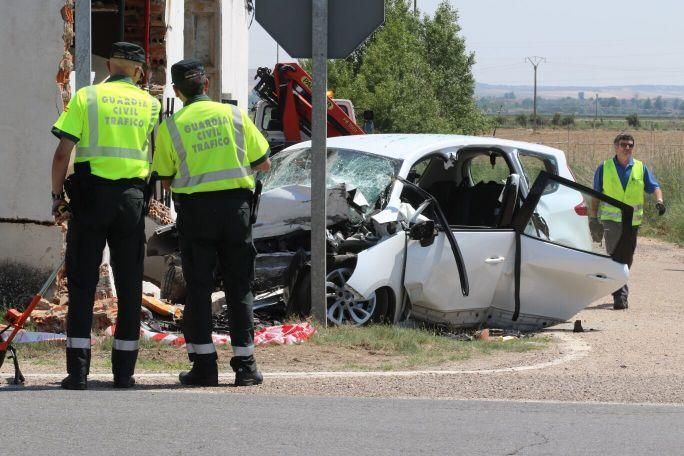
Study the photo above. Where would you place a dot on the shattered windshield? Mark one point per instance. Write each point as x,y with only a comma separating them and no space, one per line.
371,174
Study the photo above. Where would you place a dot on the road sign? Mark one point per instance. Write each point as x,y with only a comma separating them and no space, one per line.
350,22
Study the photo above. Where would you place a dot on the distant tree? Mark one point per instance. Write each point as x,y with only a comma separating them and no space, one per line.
556,119
568,121
633,120
580,95
659,104
416,75
521,119
509,96
647,104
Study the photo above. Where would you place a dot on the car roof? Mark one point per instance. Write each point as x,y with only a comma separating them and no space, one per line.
413,146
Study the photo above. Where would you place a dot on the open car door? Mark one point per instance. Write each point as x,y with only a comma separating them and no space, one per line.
556,278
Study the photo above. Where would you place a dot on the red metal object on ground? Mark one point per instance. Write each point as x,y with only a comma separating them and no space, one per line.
17,320
288,88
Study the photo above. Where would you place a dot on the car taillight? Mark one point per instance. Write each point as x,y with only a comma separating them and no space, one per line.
581,209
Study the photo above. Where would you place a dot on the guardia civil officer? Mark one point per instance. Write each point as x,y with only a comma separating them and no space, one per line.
207,153
110,123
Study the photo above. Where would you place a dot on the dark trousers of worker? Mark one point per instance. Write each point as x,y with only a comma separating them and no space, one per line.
611,233
111,212
215,226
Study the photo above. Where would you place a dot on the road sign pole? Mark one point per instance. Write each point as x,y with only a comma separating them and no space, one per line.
319,42
83,39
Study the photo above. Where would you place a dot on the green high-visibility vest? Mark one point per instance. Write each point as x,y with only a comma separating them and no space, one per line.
632,195
113,122
213,145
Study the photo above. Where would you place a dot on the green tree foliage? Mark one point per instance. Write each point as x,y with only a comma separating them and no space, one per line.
521,119
633,120
568,121
414,74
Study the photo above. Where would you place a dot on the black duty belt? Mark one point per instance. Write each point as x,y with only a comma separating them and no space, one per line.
233,193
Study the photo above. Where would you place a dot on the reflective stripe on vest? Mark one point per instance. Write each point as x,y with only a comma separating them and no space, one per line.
118,152
93,125
184,179
632,195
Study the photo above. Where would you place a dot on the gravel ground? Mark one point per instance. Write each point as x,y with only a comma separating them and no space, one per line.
634,355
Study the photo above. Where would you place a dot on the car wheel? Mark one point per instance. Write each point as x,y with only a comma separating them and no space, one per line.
343,308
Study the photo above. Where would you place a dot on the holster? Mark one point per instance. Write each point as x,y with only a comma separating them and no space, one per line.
77,186
254,206
148,192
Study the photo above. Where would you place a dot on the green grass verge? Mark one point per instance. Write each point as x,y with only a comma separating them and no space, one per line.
409,348
379,347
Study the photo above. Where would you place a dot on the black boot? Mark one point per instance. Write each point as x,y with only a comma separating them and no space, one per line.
123,366
246,372
124,382
203,373
78,367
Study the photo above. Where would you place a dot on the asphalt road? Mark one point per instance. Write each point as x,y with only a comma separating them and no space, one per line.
45,420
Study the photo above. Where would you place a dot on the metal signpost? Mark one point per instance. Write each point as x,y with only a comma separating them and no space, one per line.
83,52
319,29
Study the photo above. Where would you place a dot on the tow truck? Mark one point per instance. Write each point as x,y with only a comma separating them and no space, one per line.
284,111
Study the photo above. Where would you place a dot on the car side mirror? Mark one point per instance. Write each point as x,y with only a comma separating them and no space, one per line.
423,231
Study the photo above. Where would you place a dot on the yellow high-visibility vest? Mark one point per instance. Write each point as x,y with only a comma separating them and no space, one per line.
208,146
113,122
632,195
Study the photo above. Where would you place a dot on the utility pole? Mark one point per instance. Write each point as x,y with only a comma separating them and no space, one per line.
415,6
535,61
596,111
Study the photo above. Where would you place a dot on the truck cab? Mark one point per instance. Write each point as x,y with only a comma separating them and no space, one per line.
271,126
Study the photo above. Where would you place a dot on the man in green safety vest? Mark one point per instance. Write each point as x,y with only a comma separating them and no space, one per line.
625,179
111,124
206,155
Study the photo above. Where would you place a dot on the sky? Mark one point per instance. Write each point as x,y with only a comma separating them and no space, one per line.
584,42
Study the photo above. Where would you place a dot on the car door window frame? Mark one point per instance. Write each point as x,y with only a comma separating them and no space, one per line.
527,211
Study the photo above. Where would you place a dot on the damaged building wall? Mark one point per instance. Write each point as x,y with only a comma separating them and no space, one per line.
32,54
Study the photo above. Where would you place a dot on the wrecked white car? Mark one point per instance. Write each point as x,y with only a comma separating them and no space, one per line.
468,231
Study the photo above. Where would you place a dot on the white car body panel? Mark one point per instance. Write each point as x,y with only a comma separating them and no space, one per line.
432,279
558,282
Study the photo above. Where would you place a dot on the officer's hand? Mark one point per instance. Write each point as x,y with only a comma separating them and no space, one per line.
596,229
660,207
61,211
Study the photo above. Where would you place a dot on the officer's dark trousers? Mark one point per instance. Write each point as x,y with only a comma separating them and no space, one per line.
611,232
112,212
215,225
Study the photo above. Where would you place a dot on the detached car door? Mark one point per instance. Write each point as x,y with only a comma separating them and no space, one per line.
554,278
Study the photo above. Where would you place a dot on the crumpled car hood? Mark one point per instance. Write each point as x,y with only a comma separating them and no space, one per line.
287,209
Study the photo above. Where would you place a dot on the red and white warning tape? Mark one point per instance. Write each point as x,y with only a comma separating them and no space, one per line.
281,335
